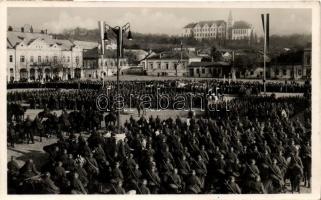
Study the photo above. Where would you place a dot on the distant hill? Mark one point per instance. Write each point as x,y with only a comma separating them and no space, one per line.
160,42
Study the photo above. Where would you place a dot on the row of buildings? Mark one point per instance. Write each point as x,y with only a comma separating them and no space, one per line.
38,56
230,65
219,29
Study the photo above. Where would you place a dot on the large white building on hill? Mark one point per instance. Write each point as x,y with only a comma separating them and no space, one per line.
219,29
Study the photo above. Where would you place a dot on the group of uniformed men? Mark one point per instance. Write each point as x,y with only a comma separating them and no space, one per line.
218,154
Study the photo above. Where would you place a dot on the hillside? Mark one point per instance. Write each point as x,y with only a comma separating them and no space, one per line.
160,42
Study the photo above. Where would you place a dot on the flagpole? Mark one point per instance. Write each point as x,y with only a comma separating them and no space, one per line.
264,56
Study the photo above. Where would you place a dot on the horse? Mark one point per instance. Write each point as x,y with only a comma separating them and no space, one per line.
16,111
110,118
44,114
64,122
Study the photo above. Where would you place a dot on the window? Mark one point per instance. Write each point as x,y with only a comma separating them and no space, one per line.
55,58
175,66
284,72
39,59
150,65
167,65
10,58
299,72
11,71
47,59
77,60
68,59
197,71
277,71
203,71
159,65
22,59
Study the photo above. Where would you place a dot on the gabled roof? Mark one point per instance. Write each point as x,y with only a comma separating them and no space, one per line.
190,25
241,25
173,55
203,23
85,44
15,38
210,23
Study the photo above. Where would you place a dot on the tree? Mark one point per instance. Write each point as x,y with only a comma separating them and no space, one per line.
216,55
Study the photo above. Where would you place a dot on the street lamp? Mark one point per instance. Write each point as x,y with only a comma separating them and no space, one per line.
117,32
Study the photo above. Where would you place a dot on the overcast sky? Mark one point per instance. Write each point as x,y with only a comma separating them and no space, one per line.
157,20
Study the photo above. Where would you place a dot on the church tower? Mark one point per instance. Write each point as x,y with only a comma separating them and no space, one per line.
229,25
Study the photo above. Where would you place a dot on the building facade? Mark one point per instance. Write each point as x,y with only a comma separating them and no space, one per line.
209,69
241,31
206,30
169,63
98,67
219,29
39,57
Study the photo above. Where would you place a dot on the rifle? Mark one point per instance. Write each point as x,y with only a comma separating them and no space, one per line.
92,165
251,169
136,178
182,164
154,181
33,177
229,186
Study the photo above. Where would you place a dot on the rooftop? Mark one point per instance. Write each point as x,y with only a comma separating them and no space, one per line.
241,25
203,23
14,38
208,64
173,55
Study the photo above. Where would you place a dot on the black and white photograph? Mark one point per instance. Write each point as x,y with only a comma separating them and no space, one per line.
159,100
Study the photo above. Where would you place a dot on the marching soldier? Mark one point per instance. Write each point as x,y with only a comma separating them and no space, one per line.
232,187
76,185
49,186
143,188
193,184
153,180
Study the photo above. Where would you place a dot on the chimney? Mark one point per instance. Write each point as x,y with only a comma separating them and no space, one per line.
160,55
46,32
22,29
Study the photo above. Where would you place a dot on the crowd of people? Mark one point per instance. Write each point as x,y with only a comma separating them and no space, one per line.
184,85
254,145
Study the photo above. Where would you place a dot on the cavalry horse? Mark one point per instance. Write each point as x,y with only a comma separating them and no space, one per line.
110,119
16,112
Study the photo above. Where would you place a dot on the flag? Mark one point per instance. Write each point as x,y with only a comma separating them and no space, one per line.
267,31
266,28
101,26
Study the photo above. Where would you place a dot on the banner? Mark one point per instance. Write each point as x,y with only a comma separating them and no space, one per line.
101,26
